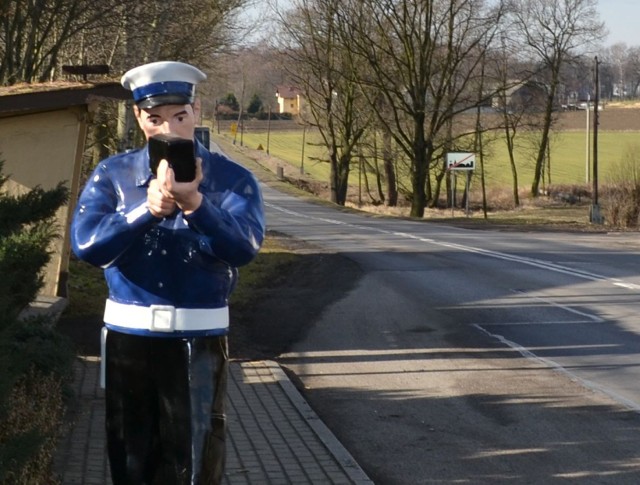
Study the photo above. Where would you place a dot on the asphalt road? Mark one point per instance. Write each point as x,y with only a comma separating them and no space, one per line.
473,356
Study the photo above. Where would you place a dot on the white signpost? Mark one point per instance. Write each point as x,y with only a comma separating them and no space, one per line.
460,161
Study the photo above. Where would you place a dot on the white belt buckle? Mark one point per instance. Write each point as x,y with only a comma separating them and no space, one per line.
163,318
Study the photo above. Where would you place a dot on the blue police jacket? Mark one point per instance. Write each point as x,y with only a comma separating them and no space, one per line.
186,261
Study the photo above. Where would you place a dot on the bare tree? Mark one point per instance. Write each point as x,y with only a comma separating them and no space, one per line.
320,66
37,35
519,99
263,66
191,30
613,75
33,34
389,168
554,31
421,57
620,71
633,71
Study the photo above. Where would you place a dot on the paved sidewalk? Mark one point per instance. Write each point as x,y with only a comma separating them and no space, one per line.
274,436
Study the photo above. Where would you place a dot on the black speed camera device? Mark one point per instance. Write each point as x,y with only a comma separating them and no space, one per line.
178,152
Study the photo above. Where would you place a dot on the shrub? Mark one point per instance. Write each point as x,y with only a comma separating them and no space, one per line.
26,230
622,204
35,361
622,193
571,194
34,413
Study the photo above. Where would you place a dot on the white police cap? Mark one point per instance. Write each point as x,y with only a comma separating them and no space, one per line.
164,82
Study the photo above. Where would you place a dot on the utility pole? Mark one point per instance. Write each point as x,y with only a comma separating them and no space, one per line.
588,152
304,132
268,128
595,216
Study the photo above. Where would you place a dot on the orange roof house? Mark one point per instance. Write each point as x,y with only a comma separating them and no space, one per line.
289,99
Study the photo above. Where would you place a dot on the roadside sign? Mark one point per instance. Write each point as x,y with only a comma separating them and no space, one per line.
461,161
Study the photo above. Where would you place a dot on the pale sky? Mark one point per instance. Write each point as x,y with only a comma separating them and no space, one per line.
622,19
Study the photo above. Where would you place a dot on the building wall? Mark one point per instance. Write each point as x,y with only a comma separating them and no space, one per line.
288,105
45,149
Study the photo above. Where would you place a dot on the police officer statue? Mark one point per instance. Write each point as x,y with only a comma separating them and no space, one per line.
170,251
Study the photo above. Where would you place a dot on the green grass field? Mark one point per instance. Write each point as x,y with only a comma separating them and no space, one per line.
568,155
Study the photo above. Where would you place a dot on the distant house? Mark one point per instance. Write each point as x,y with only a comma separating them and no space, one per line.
523,95
289,99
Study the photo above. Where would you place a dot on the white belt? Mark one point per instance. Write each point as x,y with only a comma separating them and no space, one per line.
165,318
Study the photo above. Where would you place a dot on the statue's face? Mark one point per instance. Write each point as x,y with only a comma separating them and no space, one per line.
171,118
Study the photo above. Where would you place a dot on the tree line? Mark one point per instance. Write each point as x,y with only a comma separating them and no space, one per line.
418,77
38,37
412,80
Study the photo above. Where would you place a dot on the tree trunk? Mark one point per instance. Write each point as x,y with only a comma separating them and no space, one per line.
344,166
544,141
333,177
510,136
389,169
422,154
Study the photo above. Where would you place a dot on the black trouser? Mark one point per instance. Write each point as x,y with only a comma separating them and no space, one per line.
165,409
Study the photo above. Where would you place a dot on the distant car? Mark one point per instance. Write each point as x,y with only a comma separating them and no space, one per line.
583,106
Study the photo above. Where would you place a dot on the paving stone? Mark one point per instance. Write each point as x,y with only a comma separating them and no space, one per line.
273,435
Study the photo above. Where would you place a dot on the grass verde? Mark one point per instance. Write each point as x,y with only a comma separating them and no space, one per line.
618,141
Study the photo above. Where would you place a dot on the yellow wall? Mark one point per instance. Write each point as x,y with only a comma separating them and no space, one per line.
44,149
289,105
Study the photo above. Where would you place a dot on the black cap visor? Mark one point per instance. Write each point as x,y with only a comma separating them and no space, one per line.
164,99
